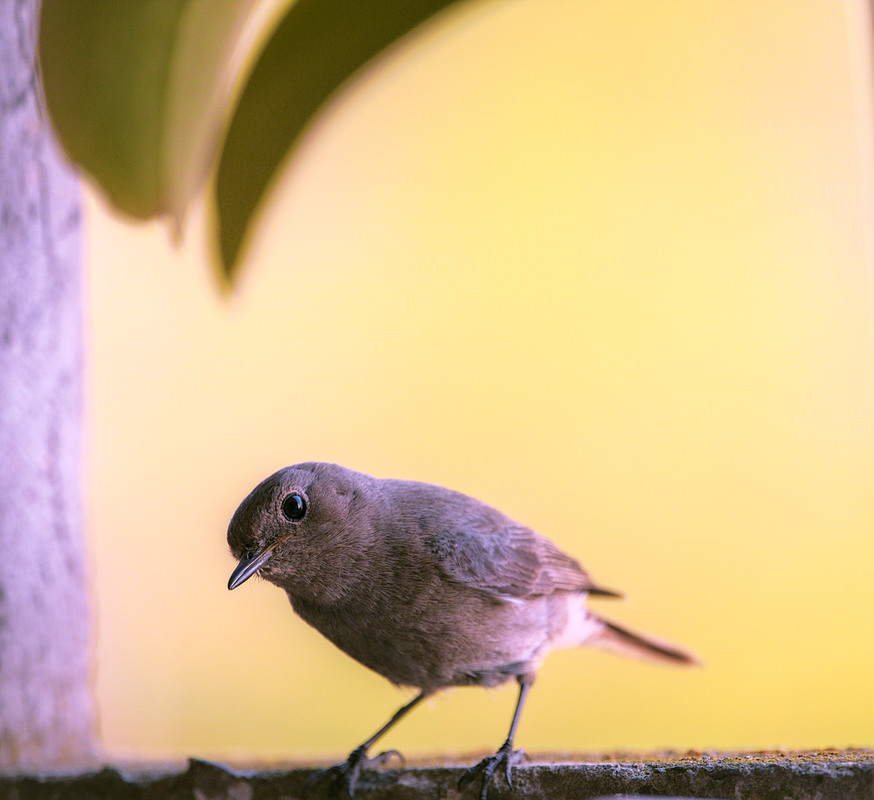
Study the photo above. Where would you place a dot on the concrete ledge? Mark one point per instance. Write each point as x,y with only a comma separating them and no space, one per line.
826,775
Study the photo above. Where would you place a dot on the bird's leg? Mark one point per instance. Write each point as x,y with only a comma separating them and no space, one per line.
345,775
506,756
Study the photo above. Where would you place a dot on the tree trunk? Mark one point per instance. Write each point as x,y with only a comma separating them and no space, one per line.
47,706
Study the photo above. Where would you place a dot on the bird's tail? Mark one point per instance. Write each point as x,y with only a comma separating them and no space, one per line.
620,640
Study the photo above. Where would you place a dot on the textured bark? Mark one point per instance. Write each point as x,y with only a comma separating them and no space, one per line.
47,716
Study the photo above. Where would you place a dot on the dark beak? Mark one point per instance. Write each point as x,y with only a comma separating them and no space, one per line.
249,565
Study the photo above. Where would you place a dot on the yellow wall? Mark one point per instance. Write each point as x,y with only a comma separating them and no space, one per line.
601,264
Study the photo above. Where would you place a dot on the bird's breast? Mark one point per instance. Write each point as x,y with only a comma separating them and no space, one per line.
439,635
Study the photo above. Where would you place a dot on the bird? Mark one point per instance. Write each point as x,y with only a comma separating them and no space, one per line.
426,586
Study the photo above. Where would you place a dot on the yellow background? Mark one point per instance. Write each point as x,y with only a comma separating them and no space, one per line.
601,264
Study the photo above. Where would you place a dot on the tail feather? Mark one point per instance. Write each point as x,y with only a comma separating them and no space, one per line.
638,645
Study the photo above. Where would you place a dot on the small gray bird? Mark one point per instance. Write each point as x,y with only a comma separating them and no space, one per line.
426,586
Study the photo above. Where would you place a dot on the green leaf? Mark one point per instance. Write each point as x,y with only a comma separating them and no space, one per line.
314,50
139,92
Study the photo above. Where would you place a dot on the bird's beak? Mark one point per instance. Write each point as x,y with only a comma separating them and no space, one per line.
249,565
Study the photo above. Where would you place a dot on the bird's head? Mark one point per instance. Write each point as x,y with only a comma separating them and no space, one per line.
294,524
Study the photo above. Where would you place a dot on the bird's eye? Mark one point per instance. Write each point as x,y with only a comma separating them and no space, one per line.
249,555
294,507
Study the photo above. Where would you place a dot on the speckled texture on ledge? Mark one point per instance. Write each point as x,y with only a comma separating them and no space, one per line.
825,775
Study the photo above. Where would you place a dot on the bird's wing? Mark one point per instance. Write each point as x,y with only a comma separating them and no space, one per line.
511,561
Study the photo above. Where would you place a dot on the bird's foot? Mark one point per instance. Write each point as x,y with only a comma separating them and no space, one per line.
344,777
506,758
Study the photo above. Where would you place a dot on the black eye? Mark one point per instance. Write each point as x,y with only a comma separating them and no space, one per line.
294,507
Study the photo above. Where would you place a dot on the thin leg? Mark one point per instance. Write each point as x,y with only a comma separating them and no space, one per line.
401,712
524,686
505,756
346,774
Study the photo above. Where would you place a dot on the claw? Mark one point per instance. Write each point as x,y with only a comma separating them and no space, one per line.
506,757
385,756
345,775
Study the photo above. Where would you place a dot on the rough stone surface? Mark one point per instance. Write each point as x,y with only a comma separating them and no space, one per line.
825,775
